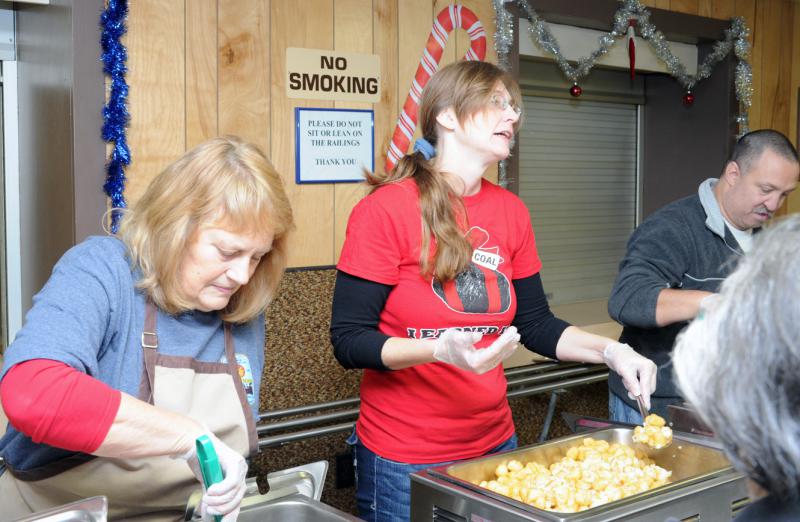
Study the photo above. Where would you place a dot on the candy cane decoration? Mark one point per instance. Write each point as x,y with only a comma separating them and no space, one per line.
451,17
631,36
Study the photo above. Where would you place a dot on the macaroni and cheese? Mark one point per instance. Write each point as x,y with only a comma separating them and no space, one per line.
589,475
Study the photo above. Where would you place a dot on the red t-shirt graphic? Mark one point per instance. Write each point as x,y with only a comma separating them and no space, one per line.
437,412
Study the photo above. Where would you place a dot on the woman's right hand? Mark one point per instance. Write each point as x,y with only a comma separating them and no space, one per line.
225,497
458,348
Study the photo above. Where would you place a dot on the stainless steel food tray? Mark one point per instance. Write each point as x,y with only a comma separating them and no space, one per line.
697,466
94,509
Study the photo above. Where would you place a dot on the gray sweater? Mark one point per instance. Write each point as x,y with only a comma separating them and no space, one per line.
684,245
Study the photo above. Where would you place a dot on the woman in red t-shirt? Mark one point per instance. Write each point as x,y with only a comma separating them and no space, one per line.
438,281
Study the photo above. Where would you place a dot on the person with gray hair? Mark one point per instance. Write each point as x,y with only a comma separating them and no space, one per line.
738,364
680,254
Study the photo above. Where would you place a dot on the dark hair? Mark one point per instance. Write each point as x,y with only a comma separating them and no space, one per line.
750,147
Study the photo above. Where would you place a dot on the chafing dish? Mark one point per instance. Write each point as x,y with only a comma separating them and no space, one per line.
703,486
296,507
94,509
294,494
683,417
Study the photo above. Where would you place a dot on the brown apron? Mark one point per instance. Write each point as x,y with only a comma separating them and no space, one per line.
155,488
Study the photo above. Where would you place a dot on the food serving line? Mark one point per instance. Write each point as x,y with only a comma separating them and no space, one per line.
294,494
703,486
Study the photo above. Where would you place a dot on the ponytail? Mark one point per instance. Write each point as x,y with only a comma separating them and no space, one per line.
444,218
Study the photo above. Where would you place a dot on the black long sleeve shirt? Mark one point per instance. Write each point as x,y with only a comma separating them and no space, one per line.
358,303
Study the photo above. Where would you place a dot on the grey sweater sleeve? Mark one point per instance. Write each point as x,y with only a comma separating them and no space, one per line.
658,254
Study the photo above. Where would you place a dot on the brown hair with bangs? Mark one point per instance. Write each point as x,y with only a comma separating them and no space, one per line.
466,87
224,181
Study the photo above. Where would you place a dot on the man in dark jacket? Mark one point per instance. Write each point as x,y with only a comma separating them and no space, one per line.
680,254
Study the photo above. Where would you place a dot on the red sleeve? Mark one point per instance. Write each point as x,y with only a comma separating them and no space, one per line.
55,404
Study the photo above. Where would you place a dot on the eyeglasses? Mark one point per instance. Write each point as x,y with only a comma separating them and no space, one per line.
502,103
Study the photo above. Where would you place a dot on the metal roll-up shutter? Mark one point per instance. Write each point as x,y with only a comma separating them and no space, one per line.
578,177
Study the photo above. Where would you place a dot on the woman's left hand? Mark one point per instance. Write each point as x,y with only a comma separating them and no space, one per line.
638,372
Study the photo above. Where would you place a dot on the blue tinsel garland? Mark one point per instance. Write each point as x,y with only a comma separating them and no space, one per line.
115,112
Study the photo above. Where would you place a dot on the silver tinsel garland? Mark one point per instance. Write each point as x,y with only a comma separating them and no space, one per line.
502,44
735,39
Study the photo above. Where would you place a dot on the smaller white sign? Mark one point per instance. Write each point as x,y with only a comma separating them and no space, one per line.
333,145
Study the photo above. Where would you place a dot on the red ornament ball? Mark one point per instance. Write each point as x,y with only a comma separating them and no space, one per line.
688,99
575,91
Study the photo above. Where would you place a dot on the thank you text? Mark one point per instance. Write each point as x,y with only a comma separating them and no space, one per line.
333,144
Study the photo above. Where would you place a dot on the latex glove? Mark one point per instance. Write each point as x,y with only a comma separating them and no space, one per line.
638,372
457,348
222,498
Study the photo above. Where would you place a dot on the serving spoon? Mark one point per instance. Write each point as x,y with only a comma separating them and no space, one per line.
642,408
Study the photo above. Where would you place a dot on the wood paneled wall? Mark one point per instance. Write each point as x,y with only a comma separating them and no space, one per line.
200,68
206,67
794,91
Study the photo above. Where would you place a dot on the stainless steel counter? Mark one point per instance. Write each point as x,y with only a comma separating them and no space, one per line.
297,508
294,494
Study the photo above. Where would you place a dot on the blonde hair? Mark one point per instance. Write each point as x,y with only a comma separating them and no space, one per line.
224,180
466,87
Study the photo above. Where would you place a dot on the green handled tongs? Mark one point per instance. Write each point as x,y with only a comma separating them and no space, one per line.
209,464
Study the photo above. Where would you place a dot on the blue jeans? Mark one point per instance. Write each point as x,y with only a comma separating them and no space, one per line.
383,486
620,411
